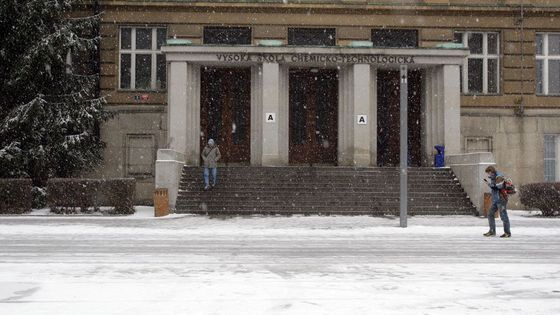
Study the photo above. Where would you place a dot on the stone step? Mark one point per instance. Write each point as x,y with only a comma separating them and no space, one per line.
296,171
308,201
345,182
348,180
329,190
301,189
328,211
330,170
218,206
394,176
319,194
326,208
387,198
316,188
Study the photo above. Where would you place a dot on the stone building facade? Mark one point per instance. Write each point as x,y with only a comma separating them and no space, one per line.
484,76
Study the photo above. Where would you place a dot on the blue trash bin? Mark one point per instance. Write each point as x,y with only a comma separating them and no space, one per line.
439,159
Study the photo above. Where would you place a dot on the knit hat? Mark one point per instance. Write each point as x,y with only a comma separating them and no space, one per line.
211,142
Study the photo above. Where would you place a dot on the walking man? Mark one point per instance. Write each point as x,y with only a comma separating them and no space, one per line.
210,156
499,202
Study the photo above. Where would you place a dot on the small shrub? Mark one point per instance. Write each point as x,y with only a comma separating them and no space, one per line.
39,197
120,195
66,195
543,196
15,195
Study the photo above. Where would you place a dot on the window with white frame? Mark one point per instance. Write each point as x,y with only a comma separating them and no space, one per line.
548,63
551,154
481,70
142,65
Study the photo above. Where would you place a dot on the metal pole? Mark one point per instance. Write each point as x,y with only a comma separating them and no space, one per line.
404,145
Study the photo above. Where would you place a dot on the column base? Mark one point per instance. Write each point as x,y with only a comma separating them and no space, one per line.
273,160
169,167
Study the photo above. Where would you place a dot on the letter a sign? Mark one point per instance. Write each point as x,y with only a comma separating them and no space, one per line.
362,120
270,117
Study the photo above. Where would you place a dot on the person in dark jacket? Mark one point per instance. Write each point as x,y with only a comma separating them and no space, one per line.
210,156
499,202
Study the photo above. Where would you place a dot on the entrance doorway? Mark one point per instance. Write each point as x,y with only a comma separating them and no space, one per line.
313,99
388,118
225,101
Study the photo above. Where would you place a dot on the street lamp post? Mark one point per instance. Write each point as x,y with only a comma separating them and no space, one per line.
404,145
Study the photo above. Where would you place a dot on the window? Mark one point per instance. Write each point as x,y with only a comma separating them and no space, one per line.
394,38
548,64
140,155
312,36
227,35
142,65
551,154
481,71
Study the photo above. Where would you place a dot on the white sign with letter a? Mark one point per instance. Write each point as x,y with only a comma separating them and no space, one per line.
362,120
270,117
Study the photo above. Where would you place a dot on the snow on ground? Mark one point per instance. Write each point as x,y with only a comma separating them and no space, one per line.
185,264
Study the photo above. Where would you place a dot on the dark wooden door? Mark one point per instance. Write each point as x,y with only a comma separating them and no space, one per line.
388,118
225,100
313,99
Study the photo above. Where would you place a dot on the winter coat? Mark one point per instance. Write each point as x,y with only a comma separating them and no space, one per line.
496,188
210,156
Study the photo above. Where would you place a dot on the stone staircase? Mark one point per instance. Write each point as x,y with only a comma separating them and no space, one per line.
321,190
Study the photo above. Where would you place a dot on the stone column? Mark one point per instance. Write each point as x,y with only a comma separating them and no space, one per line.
425,120
451,96
177,107
284,114
192,124
256,115
428,121
272,135
362,110
346,120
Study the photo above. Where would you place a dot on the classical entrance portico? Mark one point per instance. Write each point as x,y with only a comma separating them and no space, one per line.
270,69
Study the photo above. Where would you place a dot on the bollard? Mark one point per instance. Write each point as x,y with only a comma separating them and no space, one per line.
161,202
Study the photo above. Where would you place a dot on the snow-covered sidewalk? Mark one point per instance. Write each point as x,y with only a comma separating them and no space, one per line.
185,264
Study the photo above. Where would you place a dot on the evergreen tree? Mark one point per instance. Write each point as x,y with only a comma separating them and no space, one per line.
50,109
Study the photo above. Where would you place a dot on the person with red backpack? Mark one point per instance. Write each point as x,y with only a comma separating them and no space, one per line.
500,190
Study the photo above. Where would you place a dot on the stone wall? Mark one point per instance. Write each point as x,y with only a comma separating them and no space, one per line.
515,141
